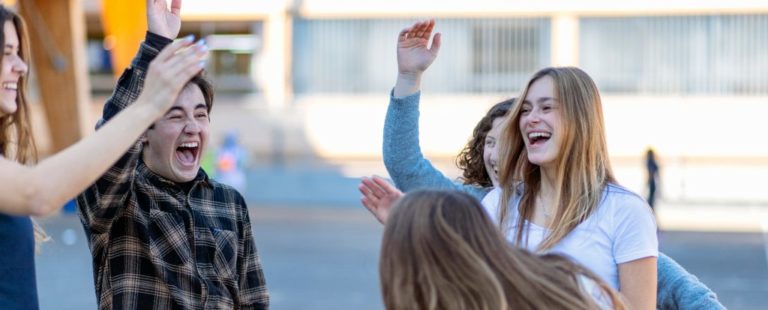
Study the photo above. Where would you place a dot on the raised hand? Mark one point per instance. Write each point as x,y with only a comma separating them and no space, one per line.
162,21
414,55
173,67
378,197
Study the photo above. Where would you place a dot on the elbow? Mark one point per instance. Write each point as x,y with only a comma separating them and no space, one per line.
43,209
395,162
37,202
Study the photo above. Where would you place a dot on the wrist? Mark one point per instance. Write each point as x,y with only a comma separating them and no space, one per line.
156,41
410,77
152,105
407,84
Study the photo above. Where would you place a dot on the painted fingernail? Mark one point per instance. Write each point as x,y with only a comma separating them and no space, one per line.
201,64
189,38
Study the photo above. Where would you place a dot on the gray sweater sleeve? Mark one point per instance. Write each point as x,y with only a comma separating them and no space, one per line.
679,289
402,154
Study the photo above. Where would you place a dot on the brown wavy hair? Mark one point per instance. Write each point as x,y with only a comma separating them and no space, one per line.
583,168
441,251
470,160
16,140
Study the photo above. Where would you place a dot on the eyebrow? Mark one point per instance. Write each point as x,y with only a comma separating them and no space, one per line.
540,100
180,109
172,109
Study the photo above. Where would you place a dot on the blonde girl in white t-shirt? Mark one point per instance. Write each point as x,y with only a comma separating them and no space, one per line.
561,196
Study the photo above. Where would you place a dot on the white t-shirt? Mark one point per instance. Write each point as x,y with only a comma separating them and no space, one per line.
621,229
593,290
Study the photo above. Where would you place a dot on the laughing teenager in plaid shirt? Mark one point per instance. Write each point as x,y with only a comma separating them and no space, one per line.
162,234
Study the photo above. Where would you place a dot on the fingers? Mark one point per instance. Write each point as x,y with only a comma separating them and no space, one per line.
368,194
373,208
376,191
427,30
189,61
436,44
174,47
175,66
368,205
176,7
369,199
422,30
363,188
385,187
403,34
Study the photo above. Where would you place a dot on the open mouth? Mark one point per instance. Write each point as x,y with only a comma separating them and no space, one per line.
538,137
187,153
12,86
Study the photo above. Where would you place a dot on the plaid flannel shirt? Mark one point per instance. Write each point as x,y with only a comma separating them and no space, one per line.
157,246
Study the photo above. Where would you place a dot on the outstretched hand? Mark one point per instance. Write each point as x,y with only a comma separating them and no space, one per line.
378,197
173,67
161,20
413,53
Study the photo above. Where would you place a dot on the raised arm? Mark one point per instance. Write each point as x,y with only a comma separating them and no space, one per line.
414,55
44,188
163,25
403,158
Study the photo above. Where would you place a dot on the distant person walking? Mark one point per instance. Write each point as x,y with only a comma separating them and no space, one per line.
231,159
652,167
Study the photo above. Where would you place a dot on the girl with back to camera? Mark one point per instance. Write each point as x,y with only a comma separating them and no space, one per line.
43,189
441,251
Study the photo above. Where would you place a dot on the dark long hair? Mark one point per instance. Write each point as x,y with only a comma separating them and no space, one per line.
470,160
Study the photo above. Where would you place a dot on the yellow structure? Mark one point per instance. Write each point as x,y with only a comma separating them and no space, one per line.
125,23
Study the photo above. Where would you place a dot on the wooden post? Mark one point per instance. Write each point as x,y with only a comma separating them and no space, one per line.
57,39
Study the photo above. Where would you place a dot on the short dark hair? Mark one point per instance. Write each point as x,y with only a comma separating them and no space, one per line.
206,87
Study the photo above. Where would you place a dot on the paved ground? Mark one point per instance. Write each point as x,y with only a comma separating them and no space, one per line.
326,258
320,248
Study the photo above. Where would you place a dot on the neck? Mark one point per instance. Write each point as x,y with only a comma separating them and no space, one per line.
547,181
545,204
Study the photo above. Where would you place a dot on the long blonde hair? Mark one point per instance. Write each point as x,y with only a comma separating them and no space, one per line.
441,251
583,167
16,140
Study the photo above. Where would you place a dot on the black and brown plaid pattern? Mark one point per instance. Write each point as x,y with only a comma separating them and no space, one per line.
156,245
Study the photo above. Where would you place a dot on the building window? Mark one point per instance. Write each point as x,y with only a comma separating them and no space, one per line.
697,55
358,55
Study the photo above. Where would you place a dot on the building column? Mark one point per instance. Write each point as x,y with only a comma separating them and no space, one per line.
565,40
57,39
275,71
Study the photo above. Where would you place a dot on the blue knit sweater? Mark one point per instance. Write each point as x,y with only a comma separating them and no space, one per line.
677,288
